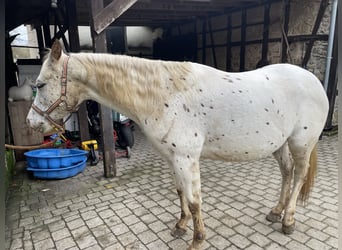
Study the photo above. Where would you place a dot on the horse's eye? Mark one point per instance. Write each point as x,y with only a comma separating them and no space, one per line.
40,85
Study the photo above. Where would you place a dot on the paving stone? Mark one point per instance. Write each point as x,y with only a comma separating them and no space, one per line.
317,245
94,222
147,237
65,243
279,238
44,244
40,235
16,244
240,241
220,242
138,208
75,224
259,239
60,234
106,240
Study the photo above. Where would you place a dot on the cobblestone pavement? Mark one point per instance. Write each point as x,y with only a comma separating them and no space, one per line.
138,208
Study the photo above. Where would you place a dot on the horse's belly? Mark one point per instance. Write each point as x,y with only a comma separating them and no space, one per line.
242,146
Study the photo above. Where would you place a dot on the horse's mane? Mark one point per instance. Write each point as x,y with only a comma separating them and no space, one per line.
140,80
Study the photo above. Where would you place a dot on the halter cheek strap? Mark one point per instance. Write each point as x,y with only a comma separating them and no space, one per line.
59,101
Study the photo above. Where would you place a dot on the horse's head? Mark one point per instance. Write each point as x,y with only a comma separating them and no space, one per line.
56,94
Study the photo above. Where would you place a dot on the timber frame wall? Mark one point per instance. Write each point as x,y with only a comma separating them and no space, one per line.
293,31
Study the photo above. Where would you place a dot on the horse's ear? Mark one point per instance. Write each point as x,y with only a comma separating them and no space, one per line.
56,50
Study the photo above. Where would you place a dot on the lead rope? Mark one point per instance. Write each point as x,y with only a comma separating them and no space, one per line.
59,136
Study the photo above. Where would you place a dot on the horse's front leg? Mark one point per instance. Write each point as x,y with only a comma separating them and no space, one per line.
187,174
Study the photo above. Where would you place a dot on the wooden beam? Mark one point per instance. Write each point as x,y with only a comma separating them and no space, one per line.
212,43
320,15
71,16
106,119
74,41
286,17
204,40
105,16
332,83
243,40
59,20
47,32
228,44
265,35
40,40
195,32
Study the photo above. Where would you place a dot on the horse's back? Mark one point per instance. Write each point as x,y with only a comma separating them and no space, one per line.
250,115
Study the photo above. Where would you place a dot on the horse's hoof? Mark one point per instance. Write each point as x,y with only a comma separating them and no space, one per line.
178,232
272,217
288,229
193,248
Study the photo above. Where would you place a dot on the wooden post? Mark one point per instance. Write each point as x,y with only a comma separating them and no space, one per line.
332,83
74,42
286,16
265,35
106,119
204,40
46,29
40,39
228,44
212,43
195,32
243,40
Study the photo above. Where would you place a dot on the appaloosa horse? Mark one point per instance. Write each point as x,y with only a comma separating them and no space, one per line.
188,111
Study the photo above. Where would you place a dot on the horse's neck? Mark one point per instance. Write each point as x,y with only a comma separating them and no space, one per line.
129,85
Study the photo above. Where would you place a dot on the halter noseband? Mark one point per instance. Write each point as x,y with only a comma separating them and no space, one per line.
59,101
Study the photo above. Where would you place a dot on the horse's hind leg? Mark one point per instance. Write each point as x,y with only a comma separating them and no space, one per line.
304,157
285,161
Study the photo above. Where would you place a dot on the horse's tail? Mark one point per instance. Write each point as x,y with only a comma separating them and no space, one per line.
310,177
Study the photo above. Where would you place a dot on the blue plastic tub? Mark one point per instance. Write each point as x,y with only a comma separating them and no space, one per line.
55,158
58,173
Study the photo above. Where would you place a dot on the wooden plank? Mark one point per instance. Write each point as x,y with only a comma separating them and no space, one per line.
105,16
106,120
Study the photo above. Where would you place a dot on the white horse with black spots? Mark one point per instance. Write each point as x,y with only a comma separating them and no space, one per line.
191,111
